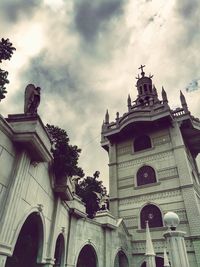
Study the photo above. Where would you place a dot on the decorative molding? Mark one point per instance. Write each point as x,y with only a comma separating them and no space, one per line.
124,150
40,207
146,185
141,160
150,197
140,247
159,245
125,178
126,183
125,186
161,140
166,173
131,222
182,215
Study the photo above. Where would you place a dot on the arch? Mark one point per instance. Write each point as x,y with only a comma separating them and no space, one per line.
145,175
29,244
159,262
121,260
142,142
59,253
152,214
43,231
87,257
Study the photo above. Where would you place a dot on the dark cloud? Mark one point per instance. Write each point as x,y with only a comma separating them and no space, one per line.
11,10
93,17
61,81
187,9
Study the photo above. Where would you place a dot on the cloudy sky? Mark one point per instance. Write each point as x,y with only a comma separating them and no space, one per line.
85,56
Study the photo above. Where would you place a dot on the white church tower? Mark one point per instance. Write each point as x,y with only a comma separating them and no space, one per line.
152,169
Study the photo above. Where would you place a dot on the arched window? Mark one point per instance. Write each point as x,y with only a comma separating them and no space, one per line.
121,260
29,243
87,257
146,175
145,88
159,262
59,251
142,142
152,214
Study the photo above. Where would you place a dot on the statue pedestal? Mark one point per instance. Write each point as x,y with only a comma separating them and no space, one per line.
30,133
177,249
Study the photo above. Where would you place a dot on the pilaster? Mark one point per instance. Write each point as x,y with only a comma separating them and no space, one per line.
9,213
113,178
186,180
71,242
3,259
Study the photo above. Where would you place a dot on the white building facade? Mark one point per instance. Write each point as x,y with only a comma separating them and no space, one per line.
42,223
152,170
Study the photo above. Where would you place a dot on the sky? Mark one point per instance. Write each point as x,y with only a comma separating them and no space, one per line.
85,56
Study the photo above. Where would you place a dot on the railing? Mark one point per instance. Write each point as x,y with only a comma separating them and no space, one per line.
178,112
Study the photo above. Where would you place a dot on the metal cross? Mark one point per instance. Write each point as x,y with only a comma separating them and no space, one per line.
141,67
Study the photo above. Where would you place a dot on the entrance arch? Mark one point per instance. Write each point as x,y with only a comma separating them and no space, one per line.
87,257
59,251
29,245
121,260
159,262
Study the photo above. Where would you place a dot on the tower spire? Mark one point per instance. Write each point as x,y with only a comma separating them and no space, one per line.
183,102
129,102
164,95
150,254
166,261
107,117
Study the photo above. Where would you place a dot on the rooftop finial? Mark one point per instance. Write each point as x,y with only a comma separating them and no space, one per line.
142,71
183,101
107,117
129,102
164,95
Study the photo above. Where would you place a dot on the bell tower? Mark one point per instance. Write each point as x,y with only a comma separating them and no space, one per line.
152,168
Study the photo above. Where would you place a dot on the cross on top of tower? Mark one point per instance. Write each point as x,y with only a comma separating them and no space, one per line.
142,71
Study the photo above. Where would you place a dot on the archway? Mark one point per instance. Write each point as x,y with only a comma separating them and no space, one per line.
87,257
121,260
59,251
159,262
29,243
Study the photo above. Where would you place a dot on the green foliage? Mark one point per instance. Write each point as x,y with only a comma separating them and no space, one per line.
91,191
6,51
65,155
3,81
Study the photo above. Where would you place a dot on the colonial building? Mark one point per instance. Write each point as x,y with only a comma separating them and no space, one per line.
152,169
152,151
42,222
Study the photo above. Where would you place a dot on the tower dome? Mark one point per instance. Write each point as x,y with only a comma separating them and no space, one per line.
145,88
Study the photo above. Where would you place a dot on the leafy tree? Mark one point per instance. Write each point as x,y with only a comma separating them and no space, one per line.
92,191
6,51
66,156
